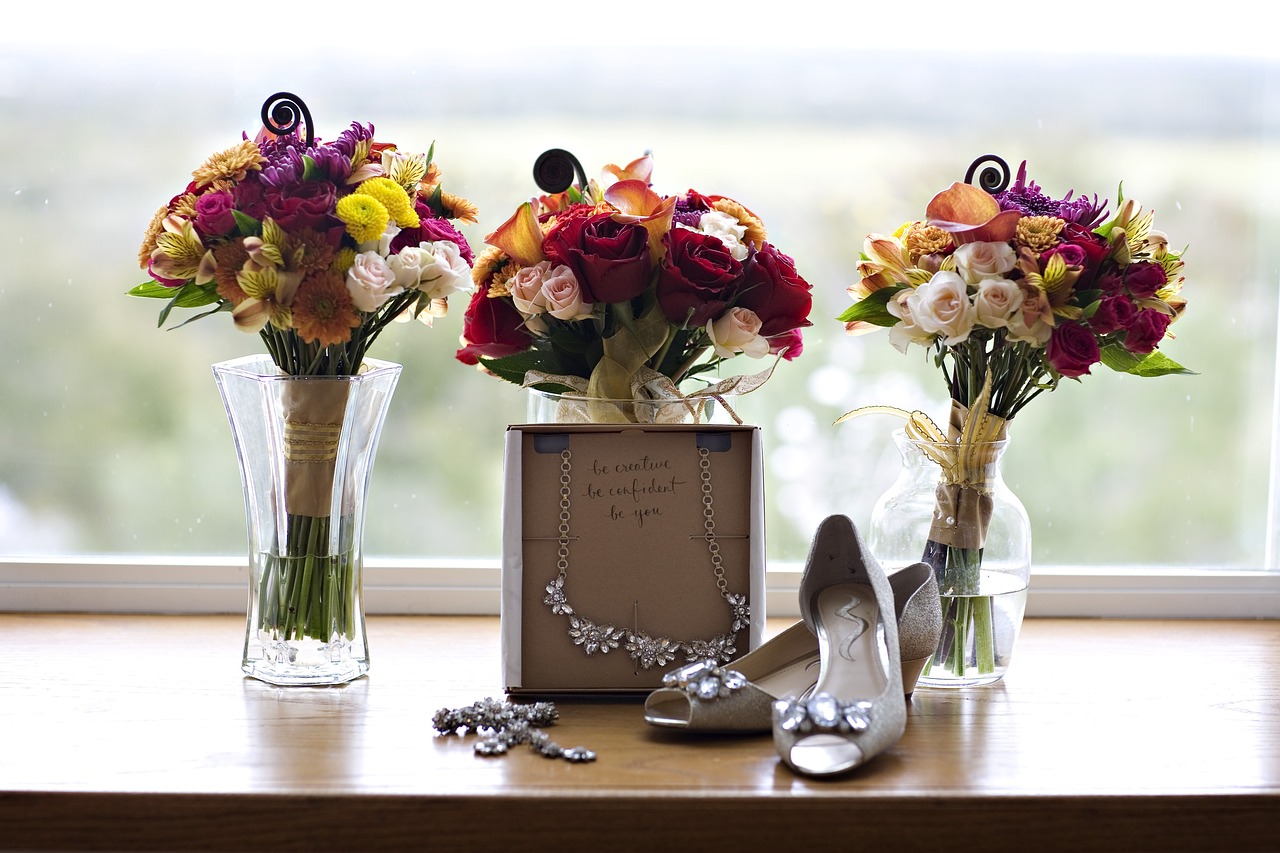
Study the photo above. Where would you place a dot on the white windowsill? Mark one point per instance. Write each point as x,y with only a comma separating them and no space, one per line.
456,587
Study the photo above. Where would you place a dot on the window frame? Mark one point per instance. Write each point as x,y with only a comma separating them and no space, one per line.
472,587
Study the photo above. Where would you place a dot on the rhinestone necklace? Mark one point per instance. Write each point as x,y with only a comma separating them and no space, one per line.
646,650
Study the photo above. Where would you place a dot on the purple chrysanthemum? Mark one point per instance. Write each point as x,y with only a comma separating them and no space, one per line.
350,138
284,167
331,164
1026,197
686,213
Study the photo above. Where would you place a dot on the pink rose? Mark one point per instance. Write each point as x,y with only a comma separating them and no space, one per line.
213,214
997,299
1072,350
978,261
526,288
563,295
737,331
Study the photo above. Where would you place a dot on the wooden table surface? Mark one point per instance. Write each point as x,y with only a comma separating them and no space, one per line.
139,732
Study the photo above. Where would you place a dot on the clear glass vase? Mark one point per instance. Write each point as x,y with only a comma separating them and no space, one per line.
975,533
548,408
306,446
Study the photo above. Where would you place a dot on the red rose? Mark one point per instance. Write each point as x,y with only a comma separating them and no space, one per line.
698,277
773,289
1072,349
1143,279
1146,330
1080,247
249,197
304,205
610,259
491,328
1114,313
790,344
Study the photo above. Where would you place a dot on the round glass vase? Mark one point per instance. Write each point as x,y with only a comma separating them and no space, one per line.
306,446
977,537
550,408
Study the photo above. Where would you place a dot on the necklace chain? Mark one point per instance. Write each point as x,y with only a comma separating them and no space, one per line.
647,651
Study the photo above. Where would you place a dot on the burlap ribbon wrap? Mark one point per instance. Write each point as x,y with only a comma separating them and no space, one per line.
313,411
966,454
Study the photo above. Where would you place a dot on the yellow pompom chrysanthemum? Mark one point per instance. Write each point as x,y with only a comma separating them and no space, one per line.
393,198
365,217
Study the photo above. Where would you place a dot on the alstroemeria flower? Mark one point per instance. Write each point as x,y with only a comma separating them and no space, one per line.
636,202
971,214
520,237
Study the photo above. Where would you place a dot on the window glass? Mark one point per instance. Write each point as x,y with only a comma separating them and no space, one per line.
113,438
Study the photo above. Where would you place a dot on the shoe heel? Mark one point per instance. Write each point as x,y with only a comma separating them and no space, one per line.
911,670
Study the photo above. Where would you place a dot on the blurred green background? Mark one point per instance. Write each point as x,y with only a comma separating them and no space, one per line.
113,439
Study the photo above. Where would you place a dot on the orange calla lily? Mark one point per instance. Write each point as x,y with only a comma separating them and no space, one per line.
636,202
640,169
520,237
971,215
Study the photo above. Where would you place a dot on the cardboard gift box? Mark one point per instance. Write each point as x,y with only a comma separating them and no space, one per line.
639,550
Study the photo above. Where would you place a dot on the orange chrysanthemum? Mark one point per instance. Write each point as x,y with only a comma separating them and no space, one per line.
233,163
149,238
459,208
307,250
322,310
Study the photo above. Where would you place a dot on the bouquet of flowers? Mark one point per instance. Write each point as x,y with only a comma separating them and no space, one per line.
609,290
1012,290
315,246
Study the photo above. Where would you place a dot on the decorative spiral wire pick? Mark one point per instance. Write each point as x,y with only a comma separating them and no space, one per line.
283,112
555,169
994,177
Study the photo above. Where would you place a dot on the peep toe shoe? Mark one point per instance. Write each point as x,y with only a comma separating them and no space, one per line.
739,696
856,709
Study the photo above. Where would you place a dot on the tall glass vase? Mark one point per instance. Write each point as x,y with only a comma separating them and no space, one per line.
306,446
951,508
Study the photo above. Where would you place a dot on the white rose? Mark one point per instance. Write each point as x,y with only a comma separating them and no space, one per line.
563,295
942,306
407,266
978,261
738,331
371,282
445,272
727,230
995,302
907,332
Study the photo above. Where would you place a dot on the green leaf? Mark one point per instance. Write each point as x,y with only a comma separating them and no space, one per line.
190,295
872,309
513,367
153,290
1155,363
225,306
246,225
309,170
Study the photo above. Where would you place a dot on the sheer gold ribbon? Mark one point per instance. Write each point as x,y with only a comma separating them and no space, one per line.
966,453
649,397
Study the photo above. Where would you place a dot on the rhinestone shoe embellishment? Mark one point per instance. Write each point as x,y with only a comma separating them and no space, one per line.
822,712
705,680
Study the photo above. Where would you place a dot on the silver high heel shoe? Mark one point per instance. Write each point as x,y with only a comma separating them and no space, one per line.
739,696
856,709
